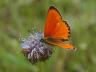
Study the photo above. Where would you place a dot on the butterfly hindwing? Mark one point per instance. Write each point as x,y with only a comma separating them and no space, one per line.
60,43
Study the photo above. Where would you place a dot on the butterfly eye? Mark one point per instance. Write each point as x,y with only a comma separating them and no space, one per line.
42,40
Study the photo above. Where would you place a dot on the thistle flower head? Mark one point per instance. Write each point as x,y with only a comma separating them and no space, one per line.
34,49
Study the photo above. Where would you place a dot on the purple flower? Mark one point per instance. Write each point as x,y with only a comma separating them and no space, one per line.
34,49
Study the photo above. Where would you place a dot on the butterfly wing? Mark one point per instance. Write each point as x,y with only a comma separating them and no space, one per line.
55,27
61,44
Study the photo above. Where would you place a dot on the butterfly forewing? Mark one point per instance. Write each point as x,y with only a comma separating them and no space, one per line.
55,27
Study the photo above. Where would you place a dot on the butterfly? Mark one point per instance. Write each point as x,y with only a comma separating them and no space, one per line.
57,31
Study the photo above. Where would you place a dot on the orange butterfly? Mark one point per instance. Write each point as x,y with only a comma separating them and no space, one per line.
56,30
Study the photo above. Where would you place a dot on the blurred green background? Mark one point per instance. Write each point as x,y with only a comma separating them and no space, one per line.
19,16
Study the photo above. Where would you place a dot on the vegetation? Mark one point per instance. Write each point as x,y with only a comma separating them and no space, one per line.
20,16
